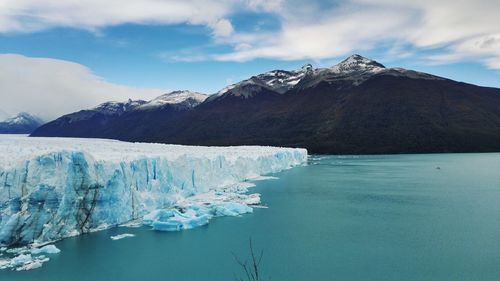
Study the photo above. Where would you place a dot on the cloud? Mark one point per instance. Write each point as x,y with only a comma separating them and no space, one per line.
34,15
4,115
222,28
266,5
322,29
338,34
483,48
50,87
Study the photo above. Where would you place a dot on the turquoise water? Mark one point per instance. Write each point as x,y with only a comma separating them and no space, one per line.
340,218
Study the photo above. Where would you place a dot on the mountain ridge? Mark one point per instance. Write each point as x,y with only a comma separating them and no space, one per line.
356,106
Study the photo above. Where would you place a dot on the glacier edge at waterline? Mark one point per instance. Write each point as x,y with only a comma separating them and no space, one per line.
52,188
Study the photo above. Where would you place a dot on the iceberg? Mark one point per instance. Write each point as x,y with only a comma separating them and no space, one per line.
49,249
52,188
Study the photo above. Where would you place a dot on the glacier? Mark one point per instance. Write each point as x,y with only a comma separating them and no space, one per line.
52,188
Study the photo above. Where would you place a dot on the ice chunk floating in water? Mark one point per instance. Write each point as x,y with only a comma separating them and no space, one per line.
49,249
51,188
23,258
180,218
121,236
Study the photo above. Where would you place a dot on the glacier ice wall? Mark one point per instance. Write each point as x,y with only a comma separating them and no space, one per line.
51,188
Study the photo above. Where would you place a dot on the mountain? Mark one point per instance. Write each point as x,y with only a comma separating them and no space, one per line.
180,99
23,123
114,119
357,106
279,81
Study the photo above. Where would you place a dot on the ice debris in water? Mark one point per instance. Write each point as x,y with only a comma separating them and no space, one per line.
49,249
24,258
121,236
175,219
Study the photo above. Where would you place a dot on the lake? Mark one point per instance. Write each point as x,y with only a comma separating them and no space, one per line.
398,217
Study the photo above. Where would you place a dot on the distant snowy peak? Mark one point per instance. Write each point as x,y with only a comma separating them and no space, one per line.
23,118
182,98
23,123
356,63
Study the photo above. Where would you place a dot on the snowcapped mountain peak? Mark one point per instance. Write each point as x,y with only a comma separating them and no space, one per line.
356,63
23,118
181,98
114,107
279,81
184,97
22,123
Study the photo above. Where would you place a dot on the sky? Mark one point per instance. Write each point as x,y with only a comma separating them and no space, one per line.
59,56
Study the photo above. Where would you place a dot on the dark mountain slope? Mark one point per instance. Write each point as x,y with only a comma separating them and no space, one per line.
386,114
357,106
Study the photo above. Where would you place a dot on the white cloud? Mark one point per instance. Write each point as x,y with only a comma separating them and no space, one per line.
315,29
266,5
222,28
321,31
34,15
484,48
4,115
50,87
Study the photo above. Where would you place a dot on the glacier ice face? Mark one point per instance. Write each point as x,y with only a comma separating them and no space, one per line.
51,188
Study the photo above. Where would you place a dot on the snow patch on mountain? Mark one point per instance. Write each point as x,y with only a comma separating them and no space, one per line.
278,81
118,108
185,98
353,71
181,98
356,63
